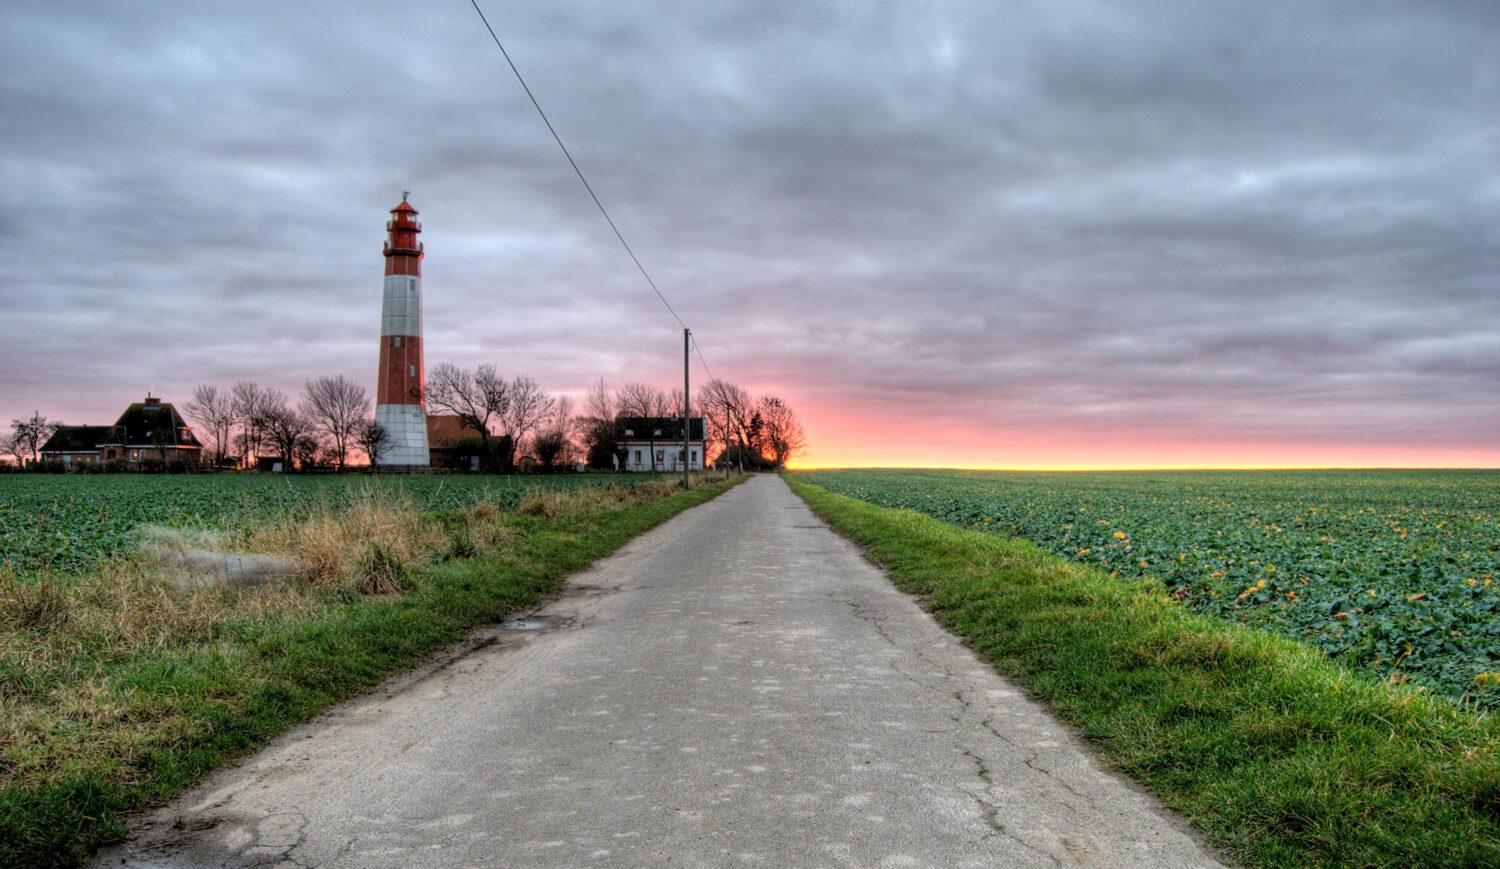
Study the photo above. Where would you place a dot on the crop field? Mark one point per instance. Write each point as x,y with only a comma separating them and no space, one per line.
1394,573
70,523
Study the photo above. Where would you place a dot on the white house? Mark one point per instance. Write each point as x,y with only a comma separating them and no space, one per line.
654,443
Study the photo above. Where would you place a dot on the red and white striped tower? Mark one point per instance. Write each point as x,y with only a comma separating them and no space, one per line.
399,400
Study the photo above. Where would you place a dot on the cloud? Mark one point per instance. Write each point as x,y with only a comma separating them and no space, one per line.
1222,224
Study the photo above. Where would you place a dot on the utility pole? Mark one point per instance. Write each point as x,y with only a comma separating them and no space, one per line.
687,417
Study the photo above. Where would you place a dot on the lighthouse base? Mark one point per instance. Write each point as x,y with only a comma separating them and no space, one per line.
407,425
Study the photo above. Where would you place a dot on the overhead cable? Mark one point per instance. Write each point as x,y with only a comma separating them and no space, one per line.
574,164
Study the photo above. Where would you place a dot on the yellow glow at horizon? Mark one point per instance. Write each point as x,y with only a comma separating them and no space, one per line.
795,466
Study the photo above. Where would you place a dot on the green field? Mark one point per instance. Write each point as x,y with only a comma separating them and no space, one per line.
70,523
118,689
1394,573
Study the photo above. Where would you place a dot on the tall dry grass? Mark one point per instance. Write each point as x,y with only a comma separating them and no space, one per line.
369,544
590,501
62,636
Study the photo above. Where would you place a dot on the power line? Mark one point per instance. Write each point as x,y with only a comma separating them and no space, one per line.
574,164
699,351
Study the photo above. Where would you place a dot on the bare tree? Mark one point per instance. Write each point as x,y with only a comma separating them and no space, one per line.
374,439
214,412
336,406
31,433
783,432
14,447
249,402
596,427
529,405
553,443
282,426
727,409
563,418
162,437
309,448
600,402
478,398
648,402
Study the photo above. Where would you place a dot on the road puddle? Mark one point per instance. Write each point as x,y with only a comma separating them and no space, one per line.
534,623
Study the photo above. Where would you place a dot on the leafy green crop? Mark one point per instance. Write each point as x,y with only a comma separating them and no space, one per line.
71,523
1394,573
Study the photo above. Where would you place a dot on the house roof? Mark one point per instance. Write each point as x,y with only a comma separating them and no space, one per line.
151,423
444,432
75,439
642,428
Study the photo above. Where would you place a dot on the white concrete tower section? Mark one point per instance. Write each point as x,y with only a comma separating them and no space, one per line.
400,403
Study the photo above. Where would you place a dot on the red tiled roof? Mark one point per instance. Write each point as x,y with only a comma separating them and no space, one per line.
444,432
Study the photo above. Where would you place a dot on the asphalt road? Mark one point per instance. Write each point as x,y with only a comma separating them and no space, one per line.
737,687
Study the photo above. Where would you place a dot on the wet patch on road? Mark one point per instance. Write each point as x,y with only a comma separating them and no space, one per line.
536,623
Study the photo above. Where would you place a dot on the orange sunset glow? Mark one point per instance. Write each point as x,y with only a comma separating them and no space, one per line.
841,441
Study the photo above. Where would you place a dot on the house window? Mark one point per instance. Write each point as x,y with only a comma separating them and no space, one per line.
695,457
637,457
658,457
135,455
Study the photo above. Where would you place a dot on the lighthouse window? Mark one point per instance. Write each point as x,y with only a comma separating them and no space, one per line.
398,341
413,370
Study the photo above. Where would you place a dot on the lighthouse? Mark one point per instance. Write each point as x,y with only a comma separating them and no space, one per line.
399,402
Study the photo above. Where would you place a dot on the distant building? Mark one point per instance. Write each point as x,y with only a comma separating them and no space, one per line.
150,430
74,444
147,431
650,443
453,443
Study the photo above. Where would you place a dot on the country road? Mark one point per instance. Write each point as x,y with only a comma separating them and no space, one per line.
736,687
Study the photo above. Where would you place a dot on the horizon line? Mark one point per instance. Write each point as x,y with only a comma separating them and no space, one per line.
1137,468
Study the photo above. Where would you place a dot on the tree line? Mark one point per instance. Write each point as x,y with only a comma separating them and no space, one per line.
329,421
741,430
509,424
514,417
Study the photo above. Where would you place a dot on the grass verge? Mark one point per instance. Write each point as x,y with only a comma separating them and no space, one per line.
1280,756
117,691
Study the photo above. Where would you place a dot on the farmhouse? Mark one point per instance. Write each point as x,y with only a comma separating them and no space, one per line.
147,431
71,444
453,443
150,430
654,443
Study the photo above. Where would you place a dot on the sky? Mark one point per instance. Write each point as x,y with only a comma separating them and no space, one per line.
1050,234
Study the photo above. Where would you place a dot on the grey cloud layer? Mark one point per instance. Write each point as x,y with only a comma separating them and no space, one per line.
1192,218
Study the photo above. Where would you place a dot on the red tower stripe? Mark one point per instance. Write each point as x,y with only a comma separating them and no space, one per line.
401,374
